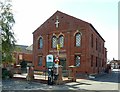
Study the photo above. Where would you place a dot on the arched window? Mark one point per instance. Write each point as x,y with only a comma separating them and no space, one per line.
40,43
78,39
61,41
40,60
54,42
77,60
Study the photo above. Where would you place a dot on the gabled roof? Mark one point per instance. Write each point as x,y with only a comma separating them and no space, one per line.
113,61
59,12
70,16
96,31
23,48
30,48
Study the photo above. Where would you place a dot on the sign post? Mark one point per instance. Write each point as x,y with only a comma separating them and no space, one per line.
49,62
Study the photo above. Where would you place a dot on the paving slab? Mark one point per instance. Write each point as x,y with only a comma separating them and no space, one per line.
107,83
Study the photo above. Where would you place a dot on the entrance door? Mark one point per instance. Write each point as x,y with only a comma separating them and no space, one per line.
63,63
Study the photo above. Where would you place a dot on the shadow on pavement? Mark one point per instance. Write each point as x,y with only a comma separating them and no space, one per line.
114,76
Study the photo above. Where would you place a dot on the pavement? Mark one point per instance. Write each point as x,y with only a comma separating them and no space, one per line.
108,83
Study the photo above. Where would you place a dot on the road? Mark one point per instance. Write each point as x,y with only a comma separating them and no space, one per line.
105,82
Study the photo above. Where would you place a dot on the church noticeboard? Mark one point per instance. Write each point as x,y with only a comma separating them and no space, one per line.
49,61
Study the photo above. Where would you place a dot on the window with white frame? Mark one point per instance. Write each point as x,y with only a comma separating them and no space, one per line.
61,41
54,42
77,60
78,39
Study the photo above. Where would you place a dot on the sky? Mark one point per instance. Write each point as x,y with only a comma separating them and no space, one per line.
102,14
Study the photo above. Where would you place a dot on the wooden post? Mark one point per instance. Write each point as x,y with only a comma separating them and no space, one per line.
73,73
30,75
59,80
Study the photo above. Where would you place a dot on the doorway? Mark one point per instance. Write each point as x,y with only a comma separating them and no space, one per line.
63,63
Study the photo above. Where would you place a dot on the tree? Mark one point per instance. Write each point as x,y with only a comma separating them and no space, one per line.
7,35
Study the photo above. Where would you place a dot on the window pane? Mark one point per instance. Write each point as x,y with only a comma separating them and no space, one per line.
61,41
77,60
78,39
96,61
91,60
41,43
96,44
92,40
40,61
54,42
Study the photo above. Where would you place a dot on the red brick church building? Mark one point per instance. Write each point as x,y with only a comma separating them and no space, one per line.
80,44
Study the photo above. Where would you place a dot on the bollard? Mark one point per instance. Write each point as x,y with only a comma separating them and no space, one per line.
30,75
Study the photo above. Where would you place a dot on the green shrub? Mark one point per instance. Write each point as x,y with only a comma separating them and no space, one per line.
6,73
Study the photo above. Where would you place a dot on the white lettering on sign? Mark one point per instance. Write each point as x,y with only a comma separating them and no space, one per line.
57,51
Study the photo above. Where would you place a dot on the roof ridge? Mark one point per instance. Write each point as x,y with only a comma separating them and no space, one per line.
64,14
72,16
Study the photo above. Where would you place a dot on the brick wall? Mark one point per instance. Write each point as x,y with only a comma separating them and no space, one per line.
25,56
68,27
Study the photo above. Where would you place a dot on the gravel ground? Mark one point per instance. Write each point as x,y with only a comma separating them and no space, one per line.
26,85
107,83
20,85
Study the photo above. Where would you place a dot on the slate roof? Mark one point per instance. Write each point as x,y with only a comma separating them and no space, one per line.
23,48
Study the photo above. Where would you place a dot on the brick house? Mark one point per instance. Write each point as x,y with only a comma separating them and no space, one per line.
115,64
81,44
23,53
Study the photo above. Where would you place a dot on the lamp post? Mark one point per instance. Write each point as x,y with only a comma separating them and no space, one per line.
58,48
57,57
57,25
58,74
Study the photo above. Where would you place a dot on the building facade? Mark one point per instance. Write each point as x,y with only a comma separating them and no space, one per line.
23,53
115,64
80,44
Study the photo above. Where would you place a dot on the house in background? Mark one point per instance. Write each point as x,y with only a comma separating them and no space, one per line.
115,64
80,44
23,53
